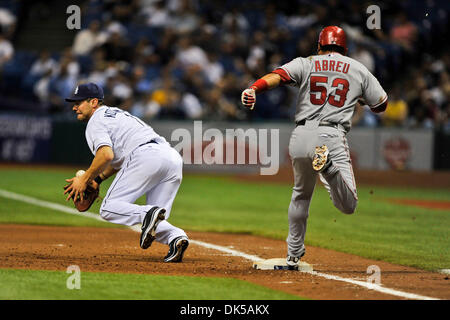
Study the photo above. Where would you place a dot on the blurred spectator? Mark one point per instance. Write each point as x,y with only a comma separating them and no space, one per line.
190,56
139,82
428,114
122,10
113,26
69,62
120,88
190,59
41,89
445,119
168,99
101,69
156,14
439,93
364,117
43,64
220,107
60,86
99,74
214,69
6,50
397,111
365,57
185,19
257,51
431,111
145,53
302,19
7,22
145,107
235,21
191,106
404,32
117,47
88,39
308,44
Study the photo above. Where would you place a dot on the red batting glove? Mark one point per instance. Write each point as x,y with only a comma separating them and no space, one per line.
248,98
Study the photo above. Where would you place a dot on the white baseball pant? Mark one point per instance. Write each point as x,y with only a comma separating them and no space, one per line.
154,170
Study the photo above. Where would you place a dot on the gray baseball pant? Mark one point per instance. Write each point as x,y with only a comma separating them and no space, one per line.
338,179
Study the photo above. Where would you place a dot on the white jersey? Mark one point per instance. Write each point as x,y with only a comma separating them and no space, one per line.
329,87
120,130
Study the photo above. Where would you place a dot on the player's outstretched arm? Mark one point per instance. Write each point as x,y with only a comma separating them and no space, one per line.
108,172
102,159
78,185
105,174
267,82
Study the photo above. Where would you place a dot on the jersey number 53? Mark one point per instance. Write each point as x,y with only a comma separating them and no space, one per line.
319,95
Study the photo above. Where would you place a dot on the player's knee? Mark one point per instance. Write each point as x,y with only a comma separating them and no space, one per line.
349,208
297,215
105,214
298,211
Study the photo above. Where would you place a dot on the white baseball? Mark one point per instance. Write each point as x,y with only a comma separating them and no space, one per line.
80,173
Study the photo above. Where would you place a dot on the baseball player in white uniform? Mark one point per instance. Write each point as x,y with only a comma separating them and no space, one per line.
330,85
145,164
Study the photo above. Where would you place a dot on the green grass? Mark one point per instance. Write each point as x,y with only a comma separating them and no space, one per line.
52,285
31,214
379,230
47,186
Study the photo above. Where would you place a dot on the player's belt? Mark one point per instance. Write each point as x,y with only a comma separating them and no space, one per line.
143,144
321,124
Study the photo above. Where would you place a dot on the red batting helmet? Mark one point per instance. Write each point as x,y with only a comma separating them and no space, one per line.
333,35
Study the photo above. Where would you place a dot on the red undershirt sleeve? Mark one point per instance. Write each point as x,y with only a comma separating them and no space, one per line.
285,78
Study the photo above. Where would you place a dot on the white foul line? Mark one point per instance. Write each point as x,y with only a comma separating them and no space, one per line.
46,204
367,285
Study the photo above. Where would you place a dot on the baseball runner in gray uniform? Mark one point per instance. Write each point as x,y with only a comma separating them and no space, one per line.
330,85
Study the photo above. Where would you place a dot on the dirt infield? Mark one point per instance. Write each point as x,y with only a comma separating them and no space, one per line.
117,250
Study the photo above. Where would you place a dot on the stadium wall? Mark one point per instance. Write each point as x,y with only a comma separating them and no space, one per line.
32,139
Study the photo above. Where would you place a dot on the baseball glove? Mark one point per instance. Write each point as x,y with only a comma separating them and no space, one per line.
90,195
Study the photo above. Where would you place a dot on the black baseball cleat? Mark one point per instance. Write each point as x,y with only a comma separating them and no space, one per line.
176,249
153,217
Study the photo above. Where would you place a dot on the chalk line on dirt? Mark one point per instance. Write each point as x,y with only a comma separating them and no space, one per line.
253,258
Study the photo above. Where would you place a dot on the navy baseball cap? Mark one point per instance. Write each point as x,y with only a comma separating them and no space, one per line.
85,91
